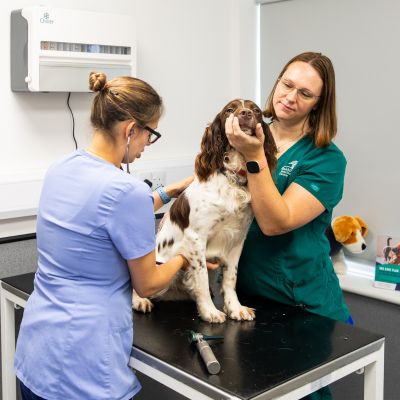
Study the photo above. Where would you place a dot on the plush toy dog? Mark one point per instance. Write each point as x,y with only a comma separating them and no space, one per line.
346,232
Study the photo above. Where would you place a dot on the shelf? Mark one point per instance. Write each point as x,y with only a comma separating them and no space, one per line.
360,280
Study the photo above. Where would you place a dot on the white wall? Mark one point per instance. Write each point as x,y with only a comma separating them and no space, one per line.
197,54
361,38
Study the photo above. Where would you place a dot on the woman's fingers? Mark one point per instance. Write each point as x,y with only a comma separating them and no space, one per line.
236,127
260,133
232,126
228,125
211,266
233,132
249,146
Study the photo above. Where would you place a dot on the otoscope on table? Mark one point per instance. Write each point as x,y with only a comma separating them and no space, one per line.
212,364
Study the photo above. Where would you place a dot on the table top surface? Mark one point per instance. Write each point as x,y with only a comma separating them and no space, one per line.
282,343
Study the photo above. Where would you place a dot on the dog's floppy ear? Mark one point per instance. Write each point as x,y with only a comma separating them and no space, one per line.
270,149
363,226
213,147
341,228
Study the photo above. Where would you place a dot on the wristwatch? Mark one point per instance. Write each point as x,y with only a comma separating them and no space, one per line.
254,167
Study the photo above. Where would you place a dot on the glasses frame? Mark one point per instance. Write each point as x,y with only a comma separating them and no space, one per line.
285,89
152,132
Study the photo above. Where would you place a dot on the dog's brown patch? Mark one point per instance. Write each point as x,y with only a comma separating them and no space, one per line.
180,211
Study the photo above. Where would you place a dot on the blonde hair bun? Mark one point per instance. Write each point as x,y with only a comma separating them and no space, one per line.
97,81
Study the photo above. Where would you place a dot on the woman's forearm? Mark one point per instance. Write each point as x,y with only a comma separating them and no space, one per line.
269,207
149,278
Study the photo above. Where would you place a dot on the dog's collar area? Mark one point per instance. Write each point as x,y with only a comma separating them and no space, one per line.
238,176
241,171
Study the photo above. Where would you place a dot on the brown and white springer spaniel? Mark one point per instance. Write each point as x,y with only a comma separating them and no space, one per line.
210,219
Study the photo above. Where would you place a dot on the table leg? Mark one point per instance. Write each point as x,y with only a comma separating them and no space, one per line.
7,346
374,377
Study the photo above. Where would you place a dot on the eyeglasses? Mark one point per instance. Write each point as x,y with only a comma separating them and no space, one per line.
154,135
304,94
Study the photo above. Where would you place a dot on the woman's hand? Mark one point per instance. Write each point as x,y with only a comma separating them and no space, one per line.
176,188
252,147
211,266
172,190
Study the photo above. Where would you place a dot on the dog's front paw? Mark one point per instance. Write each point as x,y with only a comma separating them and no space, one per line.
242,313
141,304
213,316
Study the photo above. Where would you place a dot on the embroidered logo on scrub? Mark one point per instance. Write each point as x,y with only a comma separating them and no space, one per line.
286,170
314,187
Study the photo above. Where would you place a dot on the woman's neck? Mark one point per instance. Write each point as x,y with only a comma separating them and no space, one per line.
102,147
286,135
283,130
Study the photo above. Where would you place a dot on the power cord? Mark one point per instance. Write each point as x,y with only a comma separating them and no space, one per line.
73,121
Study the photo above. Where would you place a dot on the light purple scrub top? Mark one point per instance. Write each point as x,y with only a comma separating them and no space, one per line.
76,335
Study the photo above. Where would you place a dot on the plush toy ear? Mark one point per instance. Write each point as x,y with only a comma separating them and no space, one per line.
340,229
363,225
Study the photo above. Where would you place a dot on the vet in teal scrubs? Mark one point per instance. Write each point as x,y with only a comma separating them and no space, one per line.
295,267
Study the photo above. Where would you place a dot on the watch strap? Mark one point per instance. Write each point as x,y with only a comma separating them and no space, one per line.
163,195
262,164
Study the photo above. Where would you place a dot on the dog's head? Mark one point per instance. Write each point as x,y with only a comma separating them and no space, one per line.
217,155
350,232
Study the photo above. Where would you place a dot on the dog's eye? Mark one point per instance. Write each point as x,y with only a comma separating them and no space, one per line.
226,159
230,111
256,111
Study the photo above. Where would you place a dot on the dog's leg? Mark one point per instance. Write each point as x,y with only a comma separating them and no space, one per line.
195,277
201,293
140,303
232,306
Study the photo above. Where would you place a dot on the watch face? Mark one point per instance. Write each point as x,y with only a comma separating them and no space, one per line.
252,167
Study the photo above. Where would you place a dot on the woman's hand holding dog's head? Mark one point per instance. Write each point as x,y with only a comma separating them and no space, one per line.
252,147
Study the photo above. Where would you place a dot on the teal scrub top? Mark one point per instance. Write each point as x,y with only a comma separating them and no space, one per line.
295,268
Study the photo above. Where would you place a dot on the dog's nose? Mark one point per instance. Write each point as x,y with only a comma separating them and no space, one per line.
363,246
245,113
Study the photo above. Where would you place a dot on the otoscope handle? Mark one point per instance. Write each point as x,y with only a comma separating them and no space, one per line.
208,357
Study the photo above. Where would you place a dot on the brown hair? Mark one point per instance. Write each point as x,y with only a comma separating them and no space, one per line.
121,99
322,119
